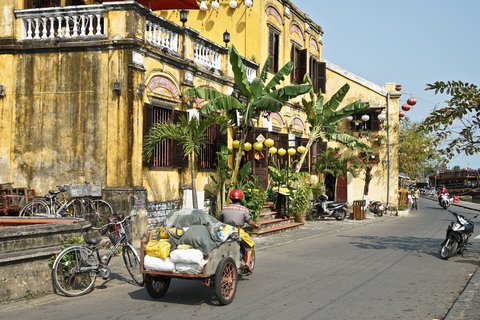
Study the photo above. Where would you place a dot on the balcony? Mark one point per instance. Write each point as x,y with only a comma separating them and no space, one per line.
67,22
102,22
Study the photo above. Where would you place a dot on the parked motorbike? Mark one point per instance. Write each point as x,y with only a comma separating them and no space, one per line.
458,235
445,201
321,209
376,207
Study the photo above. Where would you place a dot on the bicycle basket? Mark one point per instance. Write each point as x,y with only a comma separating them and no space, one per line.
94,190
77,190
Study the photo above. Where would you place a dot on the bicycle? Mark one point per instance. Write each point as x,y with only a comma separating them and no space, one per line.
75,269
48,205
76,204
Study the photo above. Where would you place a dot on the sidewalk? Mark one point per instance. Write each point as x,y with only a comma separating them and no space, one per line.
467,307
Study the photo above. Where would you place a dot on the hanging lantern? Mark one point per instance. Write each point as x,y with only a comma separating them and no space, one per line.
401,114
282,152
215,5
301,149
365,117
292,151
349,118
203,6
233,4
248,3
272,150
406,107
269,142
247,146
235,144
381,117
411,101
258,146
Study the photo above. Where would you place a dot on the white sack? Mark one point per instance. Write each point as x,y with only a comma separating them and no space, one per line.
187,256
158,264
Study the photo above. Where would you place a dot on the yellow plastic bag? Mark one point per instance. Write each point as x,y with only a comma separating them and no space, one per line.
184,246
163,234
158,248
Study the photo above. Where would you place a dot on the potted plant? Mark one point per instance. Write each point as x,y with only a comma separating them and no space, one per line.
300,201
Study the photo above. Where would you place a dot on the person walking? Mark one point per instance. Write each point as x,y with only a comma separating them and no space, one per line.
415,196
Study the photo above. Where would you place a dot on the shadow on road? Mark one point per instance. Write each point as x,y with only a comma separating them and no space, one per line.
414,245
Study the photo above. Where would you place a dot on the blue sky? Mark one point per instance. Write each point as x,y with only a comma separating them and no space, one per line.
411,42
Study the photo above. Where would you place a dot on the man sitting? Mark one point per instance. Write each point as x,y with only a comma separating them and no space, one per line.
237,215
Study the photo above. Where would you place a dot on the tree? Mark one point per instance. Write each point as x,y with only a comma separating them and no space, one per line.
323,120
415,152
462,111
190,133
338,165
254,98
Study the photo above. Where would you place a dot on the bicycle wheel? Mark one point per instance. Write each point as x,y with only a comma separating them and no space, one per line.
35,208
98,212
132,262
73,208
74,271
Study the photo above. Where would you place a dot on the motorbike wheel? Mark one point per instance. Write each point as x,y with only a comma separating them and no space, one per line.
380,212
449,249
311,214
340,214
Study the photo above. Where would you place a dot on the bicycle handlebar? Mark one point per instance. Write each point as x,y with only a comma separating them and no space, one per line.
112,223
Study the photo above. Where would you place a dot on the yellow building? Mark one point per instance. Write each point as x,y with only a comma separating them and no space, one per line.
83,83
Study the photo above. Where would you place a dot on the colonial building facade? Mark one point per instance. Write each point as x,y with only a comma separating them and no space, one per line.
83,83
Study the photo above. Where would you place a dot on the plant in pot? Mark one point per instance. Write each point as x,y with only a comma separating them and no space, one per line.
300,201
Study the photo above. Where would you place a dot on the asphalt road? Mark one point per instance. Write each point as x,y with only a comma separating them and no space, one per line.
389,269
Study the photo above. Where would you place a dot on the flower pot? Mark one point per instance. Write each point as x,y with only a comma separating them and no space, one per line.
300,218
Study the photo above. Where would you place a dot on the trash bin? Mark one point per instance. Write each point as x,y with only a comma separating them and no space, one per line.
359,209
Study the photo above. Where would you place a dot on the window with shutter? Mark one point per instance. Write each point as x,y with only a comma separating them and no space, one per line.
167,153
299,59
273,49
214,139
372,124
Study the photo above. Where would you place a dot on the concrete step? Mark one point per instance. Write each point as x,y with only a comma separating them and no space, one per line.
267,215
261,232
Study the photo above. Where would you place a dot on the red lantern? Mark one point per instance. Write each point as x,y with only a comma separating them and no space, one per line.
411,101
406,107
401,114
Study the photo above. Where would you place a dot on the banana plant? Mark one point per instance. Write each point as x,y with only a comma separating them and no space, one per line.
323,120
255,97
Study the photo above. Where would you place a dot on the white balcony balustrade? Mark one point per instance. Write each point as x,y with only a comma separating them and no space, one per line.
73,22
206,55
160,35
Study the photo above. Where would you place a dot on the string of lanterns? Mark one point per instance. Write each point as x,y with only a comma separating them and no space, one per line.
215,4
407,106
269,143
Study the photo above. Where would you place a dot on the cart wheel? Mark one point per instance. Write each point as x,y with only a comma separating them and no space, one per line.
156,286
226,281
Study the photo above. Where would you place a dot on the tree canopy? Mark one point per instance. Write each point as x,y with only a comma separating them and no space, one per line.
456,125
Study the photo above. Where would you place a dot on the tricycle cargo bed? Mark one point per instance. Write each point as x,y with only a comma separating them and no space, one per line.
226,249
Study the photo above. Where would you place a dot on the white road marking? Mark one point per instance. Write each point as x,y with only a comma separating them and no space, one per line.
477,237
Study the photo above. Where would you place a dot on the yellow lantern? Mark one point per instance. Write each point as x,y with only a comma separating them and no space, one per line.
235,144
258,146
247,146
272,150
269,142
301,149
291,151
282,151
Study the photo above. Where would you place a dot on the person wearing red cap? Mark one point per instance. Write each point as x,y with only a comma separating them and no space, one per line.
236,214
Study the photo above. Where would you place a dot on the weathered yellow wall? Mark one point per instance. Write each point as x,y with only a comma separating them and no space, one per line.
377,97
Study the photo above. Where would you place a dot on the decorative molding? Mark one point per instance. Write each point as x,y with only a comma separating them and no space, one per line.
163,86
294,28
297,121
272,11
314,44
277,117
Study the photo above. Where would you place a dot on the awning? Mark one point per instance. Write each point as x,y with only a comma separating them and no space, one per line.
155,5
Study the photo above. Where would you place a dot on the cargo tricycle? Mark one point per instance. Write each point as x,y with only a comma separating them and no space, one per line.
224,265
